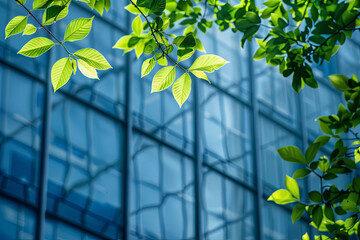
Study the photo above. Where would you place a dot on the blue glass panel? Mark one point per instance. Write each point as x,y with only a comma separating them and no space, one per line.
278,226
274,169
20,121
85,166
229,211
61,231
234,76
327,100
227,134
348,56
162,193
16,221
275,94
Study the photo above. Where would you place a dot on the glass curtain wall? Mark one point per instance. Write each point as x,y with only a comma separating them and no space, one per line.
108,160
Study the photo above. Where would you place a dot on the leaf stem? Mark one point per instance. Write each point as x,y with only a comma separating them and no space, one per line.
157,41
43,27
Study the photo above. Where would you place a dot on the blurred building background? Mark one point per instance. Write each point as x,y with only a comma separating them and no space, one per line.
108,160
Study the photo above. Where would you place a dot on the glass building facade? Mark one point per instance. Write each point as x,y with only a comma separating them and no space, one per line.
108,160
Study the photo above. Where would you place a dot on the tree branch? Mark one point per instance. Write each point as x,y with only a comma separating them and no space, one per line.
43,27
337,32
156,40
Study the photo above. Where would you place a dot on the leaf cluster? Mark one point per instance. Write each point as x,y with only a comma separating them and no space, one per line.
328,206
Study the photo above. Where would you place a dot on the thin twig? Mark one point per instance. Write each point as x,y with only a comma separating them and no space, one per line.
43,27
337,32
153,34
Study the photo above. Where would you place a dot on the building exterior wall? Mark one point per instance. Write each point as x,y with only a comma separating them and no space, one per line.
108,160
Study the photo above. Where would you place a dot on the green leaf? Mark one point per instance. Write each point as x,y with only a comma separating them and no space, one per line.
181,88
29,29
315,196
208,63
41,4
339,81
123,42
324,164
188,42
301,173
317,216
292,186
37,46
74,65
306,237
291,154
357,155
184,54
54,13
329,213
78,29
163,79
93,58
137,25
297,212
325,128
157,7
60,73
15,26
162,61
311,152
201,75
282,197
139,49
323,140
87,70
147,66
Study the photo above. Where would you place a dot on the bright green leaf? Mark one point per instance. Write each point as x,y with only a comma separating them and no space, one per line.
181,88
292,186
123,42
37,46
93,58
87,70
163,79
306,237
208,63
60,73
339,81
147,66
29,29
201,75
357,155
137,25
282,196
78,29
15,26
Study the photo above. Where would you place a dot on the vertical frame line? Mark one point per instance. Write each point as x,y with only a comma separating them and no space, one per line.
127,151
256,149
